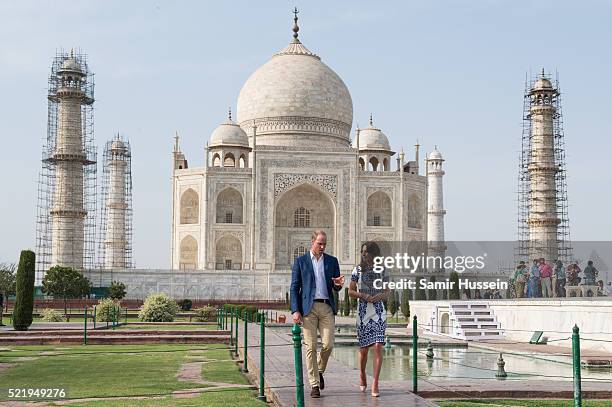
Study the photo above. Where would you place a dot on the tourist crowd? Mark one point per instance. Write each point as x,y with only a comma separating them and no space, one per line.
546,280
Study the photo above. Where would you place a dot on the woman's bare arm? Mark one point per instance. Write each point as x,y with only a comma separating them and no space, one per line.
352,291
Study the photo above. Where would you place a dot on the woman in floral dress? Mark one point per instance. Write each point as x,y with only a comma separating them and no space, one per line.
371,318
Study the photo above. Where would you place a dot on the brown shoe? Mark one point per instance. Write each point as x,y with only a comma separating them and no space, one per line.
315,393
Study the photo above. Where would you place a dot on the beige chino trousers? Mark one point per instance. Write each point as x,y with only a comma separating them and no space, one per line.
320,318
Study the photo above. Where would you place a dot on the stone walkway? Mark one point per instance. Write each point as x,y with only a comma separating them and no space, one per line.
341,383
469,388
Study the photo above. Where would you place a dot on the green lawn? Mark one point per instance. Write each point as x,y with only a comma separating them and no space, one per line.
124,370
522,403
222,398
121,319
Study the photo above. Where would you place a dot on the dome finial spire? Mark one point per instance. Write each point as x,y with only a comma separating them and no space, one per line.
295,24
543,74
371,122
229,114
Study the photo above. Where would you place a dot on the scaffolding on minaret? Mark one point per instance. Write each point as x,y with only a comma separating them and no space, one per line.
66,205
532,195
115,232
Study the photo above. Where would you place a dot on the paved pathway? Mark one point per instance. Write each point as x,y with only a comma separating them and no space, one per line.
341,383
461,388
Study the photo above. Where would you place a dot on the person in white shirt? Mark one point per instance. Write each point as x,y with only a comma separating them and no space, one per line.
314,276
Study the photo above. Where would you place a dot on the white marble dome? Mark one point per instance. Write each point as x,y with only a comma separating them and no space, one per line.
435,155
228,134
295,99
372,138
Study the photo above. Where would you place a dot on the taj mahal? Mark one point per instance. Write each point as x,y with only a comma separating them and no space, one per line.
286,166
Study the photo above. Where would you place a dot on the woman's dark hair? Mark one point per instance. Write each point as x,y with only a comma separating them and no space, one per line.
373,250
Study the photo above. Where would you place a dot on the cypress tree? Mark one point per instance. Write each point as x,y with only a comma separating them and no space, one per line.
419,293
433,293
24,287
405,306
336,300
347,305
392,303
453,293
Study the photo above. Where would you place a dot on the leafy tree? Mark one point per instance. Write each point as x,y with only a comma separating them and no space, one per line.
65,283
24,288
453,293
116,291
7,285
405,305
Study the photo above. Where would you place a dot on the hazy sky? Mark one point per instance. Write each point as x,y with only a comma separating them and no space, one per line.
449,73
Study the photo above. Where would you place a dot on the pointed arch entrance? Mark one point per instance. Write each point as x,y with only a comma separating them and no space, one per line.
297,213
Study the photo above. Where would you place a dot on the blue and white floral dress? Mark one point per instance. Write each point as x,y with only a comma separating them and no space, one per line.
371,316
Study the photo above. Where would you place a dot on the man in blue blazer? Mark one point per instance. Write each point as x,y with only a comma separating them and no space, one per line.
313,277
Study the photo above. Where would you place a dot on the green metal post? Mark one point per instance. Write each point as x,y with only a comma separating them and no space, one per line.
232,328
114,317
415,344
576,363
236,341
245,368
297,357
85,326
126,315
94,317
262,356
218,318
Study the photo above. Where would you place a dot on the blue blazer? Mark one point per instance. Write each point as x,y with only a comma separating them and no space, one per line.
303,282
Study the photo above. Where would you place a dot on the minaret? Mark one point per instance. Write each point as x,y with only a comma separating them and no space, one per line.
68,211
543,220
178,158
116,201
435,201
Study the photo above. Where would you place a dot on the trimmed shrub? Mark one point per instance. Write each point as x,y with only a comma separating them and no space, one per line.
205,314
242,309
158,308
51,315
185,304
107,310
24,287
